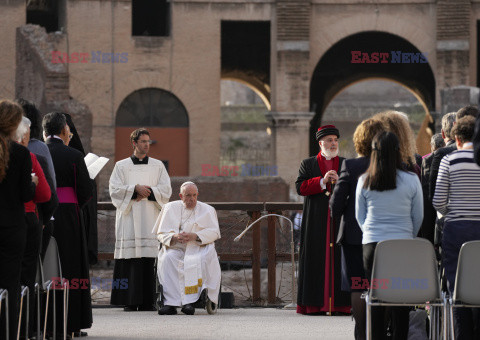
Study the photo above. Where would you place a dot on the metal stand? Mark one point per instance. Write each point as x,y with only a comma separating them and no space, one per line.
293,304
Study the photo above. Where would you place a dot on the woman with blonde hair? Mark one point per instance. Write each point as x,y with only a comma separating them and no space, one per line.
17,186
397,123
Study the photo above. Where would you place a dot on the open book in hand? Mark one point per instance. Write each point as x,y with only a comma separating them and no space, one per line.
95,164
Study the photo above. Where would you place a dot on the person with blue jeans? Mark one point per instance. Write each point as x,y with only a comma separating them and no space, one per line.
389,205
456,197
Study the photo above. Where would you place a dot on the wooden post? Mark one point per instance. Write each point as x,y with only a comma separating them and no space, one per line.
256,257
272,261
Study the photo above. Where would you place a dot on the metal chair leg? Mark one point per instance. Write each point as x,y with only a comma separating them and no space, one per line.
37,293
369,318
452,329
433,323
445,319
49,286
25,291
54,330
65,308
4,296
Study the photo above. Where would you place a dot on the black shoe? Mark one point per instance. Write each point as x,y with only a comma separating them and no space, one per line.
188,309
49,336
148,308
130,308
79,334
167,310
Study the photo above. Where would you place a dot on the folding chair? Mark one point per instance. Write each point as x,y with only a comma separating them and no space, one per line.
409,271
4,296
52,269
466,293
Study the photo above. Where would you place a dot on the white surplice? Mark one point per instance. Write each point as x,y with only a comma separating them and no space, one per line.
184,270
134,220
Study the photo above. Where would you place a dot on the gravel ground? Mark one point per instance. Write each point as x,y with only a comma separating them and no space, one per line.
240,323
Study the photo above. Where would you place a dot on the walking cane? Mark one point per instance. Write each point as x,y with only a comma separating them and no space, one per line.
331,244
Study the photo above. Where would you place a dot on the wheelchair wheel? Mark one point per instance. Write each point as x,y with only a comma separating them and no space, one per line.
210,307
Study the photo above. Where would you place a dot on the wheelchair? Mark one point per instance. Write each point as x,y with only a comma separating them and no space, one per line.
203,301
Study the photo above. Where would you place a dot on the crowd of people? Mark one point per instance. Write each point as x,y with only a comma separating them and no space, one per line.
387,192
46,192
45,188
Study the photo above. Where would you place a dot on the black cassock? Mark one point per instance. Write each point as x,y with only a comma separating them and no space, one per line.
74,189
318,289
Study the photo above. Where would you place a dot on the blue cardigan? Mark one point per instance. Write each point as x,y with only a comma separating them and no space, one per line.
390,214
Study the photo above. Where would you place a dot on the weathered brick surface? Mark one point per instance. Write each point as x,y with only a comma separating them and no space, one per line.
188,62
453,19
47,83
293,20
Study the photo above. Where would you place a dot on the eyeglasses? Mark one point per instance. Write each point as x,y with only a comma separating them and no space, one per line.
70,136
145,141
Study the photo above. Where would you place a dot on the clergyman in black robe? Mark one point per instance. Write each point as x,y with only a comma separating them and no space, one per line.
319,281
89,211
74,189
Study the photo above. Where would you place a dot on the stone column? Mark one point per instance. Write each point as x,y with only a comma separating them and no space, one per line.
453,47
290,83
454,98
290,142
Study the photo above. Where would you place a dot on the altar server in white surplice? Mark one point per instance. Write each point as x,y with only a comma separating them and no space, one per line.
187,262
139,188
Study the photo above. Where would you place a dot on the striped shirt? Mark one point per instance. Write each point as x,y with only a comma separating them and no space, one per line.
457,193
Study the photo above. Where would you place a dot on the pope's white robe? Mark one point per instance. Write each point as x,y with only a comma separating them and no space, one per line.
184,270
134,220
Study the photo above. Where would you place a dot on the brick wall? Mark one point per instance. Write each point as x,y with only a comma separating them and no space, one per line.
46,83
453,36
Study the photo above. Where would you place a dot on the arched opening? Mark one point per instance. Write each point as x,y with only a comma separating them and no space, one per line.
365,98
166,118
245,137
338,68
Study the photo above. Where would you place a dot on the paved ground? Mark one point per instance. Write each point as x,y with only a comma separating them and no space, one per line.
242,323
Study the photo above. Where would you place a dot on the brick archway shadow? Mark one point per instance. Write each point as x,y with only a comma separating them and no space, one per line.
335,71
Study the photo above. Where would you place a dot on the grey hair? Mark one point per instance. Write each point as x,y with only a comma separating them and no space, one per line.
22,128
448,120
437,141
187,184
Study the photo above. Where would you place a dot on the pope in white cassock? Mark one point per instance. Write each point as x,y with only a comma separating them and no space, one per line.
139,188
187,262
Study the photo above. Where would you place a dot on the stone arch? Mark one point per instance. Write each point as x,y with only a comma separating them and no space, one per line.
166,118
259,87
335,71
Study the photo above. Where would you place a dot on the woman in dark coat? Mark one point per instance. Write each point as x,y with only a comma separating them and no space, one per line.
342,205
17,186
